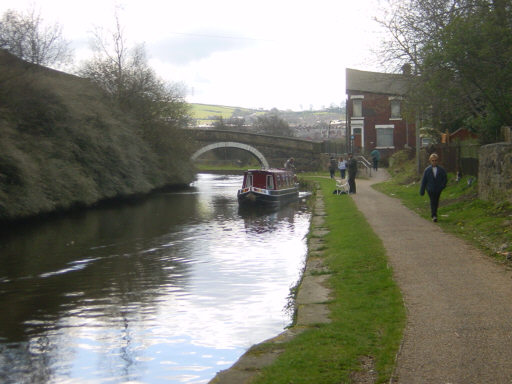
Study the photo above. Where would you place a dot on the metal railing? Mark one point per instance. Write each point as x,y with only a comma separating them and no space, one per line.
365,164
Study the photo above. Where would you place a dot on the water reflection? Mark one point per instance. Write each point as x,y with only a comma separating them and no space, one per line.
173,288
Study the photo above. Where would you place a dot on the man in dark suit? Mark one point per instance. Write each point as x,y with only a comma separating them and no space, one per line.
352,172
434,181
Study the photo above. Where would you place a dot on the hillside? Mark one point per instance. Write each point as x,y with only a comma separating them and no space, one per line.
204,114
63,144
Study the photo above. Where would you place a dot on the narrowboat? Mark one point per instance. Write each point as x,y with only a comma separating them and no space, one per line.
268,186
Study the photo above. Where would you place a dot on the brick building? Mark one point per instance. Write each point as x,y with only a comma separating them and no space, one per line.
374,112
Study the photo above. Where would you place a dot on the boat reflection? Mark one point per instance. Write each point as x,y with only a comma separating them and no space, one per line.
267,218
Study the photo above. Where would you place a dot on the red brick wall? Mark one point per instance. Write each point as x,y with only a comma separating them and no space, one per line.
377,111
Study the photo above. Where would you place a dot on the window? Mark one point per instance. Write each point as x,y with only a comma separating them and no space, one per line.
384,135
395,109
270,182
357,108
248,181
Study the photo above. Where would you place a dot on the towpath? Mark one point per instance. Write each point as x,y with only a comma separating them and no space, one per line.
458,301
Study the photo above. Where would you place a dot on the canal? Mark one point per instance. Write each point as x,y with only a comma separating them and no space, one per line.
171,289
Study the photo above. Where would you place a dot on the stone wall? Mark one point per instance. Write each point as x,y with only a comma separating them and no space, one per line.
495,172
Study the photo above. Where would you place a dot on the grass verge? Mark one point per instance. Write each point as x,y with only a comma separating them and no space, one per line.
367,313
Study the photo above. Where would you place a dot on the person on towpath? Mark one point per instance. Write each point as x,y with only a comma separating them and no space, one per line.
342,166
433,181
352,172
332,166
375,154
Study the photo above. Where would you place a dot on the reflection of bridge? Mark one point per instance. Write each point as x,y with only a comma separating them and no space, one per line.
271,151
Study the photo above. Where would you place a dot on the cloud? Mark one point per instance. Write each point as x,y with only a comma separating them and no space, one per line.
283,54
184,48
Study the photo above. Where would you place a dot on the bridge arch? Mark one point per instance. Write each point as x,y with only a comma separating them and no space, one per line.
232,144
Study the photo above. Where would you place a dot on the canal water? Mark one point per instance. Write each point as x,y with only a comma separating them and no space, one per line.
170,289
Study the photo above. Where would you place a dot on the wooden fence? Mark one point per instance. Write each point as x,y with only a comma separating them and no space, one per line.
455,157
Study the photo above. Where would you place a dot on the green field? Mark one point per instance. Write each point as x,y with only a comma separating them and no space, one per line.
206,113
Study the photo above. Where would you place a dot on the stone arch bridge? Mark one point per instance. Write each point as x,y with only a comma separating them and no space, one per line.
271,151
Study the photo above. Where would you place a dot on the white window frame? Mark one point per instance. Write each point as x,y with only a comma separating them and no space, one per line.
359,100
270,182
385,126
355,124
393,99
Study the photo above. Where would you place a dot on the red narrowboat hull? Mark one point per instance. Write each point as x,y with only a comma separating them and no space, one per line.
256,196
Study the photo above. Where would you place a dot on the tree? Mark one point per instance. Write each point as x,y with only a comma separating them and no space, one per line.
232,123
124,74
461,51
158,107
220,124
272,124
26,36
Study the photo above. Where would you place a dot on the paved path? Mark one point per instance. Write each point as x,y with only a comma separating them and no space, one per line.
459,302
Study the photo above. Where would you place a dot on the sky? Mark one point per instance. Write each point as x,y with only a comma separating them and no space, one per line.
284,54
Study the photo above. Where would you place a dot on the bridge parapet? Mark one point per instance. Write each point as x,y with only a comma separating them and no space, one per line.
275,149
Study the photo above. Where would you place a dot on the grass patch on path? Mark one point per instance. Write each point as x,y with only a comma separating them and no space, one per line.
367,313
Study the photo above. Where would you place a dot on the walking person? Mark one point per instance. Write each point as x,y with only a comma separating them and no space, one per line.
352,172
342,166
434,181
290,164
332,167
375,154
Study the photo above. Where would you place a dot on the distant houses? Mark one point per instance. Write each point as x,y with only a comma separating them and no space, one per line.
375,117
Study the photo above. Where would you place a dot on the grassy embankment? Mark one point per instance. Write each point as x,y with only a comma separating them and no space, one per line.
366,307
63,144
486,225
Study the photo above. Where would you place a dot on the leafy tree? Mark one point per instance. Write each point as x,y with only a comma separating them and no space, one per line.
220,124
25,36
461,51
272,124
232,123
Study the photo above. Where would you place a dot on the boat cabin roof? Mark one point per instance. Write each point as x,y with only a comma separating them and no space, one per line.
270,170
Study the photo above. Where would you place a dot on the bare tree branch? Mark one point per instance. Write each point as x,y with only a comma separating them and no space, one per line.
124,74
25,35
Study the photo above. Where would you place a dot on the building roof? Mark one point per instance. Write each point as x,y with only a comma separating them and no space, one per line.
376,82
462,134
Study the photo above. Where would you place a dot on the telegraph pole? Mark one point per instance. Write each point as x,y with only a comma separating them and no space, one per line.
418,142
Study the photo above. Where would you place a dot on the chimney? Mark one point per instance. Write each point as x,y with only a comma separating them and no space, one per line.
406,69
